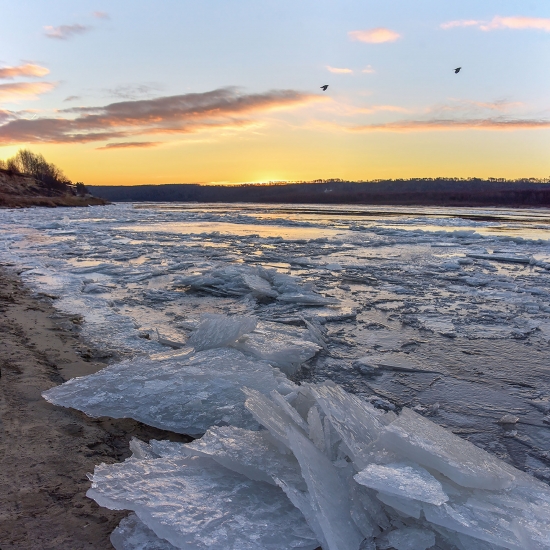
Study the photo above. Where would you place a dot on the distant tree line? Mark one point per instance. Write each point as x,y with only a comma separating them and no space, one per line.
530,192
27,163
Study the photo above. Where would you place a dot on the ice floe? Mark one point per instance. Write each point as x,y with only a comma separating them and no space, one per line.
182,392
196,503
360,478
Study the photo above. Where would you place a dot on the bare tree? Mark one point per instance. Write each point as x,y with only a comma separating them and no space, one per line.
33,164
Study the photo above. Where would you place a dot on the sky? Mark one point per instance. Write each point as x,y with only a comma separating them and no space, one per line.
218,91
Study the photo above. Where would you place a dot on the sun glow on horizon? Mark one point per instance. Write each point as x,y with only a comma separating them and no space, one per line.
107,112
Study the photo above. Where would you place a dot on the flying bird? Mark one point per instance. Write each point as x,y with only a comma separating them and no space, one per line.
457,70
324,88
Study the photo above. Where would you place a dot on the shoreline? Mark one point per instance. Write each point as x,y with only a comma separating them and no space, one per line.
46,451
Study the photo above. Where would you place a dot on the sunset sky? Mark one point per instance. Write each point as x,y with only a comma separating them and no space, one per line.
174,91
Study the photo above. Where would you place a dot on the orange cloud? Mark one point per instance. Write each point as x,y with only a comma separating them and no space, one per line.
24,90
375,109
374,36
29,69
129,144
518,22
335,70
449,124
225,107
63,32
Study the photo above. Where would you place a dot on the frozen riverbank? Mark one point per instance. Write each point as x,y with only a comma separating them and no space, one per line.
427,309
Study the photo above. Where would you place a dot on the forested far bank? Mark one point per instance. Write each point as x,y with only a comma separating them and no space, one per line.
527,192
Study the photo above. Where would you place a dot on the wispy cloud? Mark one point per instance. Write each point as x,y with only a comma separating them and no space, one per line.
101,15
64,32
134,91
221,108
336,70
461,23
24,90
28,69
518,22
468,107
72,98
374,36
496,123
368,70
130,145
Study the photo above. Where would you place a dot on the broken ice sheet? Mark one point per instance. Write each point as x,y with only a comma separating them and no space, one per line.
184,394
270,415
328,495
216,330
403,480
133,534
407,538
196,503
432,446
281,346
254,454
358,423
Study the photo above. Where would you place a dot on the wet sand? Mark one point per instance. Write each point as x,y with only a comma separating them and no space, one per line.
46,451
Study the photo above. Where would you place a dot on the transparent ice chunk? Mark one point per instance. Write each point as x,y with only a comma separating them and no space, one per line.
196,503
269,414
252,453
279,349
183,394
216,331
432,446
403,480
409,538
356,421
328,494
133,534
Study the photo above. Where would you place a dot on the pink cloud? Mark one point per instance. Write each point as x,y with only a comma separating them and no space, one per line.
129,145
374,36
335,70
518,22
24,90
368,70
222,108
63,32
28,69
101,15
450,124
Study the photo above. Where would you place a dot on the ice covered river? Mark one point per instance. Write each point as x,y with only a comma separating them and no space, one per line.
444,311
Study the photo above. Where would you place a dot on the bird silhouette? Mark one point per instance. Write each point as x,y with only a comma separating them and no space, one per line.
457,70
324,88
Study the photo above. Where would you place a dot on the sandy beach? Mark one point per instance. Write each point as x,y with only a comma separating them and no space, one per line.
46,451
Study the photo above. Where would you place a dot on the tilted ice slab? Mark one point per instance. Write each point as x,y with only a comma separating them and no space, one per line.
133,534
281,346
216,330
328,495
358,423
254,454
408,538
432,446
182,393
403,480
196,503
